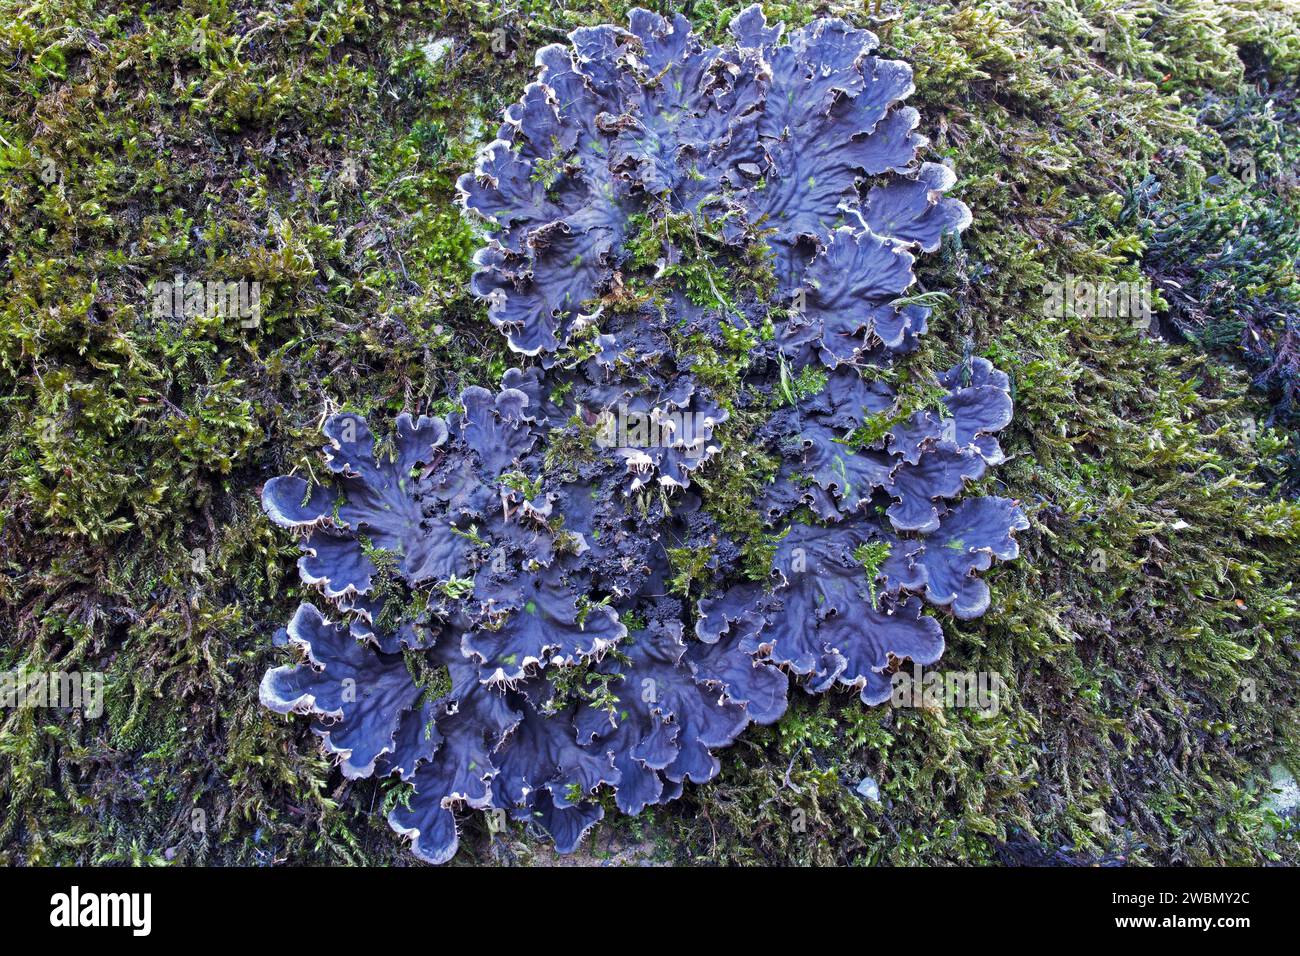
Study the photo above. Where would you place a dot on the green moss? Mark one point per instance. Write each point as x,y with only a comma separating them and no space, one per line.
433,679
583,683
387,586
871,556
689,565
795,388
517,481
1145,635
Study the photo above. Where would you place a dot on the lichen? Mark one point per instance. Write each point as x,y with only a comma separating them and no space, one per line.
638,152
1144,637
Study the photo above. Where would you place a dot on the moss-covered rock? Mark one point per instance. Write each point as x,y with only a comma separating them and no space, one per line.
1146,638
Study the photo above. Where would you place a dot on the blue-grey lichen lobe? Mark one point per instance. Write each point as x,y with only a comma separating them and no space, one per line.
511,627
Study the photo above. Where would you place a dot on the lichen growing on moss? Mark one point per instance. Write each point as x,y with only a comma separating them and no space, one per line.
594,138
1146,635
